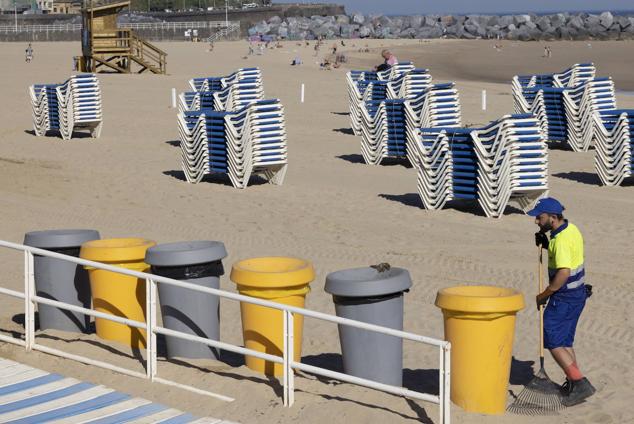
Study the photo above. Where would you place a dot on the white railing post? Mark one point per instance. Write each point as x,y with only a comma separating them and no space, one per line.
150,325
287,359
441,386
445,405
29,305
288,355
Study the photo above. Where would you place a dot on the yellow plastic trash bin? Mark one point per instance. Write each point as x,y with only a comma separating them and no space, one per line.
118,294
278,279
480,324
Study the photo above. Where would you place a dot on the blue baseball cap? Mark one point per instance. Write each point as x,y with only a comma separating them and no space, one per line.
547,205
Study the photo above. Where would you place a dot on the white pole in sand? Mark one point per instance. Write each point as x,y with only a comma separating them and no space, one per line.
302,94
173,98
484,100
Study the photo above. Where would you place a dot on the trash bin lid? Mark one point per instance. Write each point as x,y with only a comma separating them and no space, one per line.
185,253
367,281
483,299
272,272
49,239
116,249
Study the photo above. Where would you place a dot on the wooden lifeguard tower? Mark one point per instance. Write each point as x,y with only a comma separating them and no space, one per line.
105,46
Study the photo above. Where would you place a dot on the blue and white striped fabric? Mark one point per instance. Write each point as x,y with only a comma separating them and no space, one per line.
384,106
231,129
565,103
579,109
67,107
614,145
223,93
503,161
32,396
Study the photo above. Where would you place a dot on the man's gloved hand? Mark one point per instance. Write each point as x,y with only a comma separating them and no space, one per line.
541,239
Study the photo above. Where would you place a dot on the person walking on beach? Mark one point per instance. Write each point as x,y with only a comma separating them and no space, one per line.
565,294
28,53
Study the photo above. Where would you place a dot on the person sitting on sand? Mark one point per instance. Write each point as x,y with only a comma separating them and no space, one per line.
390,60
325,65
297,61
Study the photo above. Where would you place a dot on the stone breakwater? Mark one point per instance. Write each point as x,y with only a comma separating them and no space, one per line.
560,26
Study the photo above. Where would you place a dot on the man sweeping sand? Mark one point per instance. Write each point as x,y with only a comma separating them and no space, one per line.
566,294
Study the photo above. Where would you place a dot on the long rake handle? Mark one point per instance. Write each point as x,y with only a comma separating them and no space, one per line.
541,307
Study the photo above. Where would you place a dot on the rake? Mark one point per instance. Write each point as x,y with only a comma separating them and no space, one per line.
541,396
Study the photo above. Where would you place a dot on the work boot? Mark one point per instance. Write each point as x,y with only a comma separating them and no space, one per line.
580,390
565,388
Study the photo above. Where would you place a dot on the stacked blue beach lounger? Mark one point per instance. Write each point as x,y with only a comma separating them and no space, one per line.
68,107
584,105
221,93
381,111
505,161
358,81
614,145
240,134
565,103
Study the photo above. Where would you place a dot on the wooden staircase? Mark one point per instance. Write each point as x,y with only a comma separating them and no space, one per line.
125,52
106,47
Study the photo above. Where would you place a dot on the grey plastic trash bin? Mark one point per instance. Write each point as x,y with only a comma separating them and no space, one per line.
61,280
192,312
365,294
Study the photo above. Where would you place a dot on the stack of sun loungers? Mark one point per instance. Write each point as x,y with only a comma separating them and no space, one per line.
502,162
614,146
383,105
68,107
584,105
579,109
229,128
565,103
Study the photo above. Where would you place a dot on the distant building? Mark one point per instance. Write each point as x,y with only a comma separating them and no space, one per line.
59,6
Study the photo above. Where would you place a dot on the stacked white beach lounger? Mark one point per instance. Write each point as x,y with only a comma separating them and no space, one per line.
579,109
68,107
614,145
31,396
383,104
226,126
505,161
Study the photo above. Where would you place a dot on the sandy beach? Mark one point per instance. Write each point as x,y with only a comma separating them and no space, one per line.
332,209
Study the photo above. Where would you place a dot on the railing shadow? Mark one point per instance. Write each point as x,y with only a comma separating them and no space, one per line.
423,381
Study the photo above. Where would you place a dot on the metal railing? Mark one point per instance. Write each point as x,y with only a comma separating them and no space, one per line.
131,25
232,29
31,299
178,25
40,28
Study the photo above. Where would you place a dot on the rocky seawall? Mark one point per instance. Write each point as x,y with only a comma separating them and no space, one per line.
560,26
